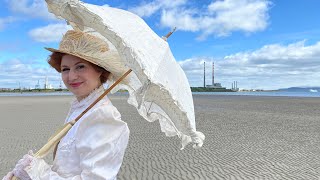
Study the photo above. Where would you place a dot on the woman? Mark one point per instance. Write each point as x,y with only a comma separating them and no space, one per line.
94,147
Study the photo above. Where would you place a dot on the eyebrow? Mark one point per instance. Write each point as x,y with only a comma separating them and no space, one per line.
73,65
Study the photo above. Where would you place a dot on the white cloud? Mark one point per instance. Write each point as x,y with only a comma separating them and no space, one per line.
182,19
5,21
32,8
232,15
193,68
14,73
50,33
219,18
270,67
148,9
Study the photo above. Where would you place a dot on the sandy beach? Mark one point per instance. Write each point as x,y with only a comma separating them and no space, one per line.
247,137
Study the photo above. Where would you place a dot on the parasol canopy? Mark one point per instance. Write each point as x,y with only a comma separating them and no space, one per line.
157,85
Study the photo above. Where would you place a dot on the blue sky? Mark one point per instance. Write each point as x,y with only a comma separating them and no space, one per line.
261,44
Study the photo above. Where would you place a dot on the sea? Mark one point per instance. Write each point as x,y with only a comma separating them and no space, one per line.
264,93
240,93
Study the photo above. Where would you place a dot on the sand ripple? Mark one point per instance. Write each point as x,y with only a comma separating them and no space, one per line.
247,138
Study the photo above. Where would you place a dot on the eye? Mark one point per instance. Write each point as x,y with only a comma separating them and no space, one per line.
65,69
80,66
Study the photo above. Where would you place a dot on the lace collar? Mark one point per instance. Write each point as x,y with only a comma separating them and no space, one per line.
89,99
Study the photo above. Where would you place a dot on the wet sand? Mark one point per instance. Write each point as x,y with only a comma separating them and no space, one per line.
247,137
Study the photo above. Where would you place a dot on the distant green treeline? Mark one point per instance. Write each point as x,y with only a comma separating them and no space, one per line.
203,89
33,90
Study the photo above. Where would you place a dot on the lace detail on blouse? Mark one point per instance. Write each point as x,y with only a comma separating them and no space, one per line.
89,99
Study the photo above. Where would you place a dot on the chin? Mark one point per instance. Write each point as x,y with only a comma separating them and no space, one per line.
77,93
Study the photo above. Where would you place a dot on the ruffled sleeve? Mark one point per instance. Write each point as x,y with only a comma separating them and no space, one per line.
101,140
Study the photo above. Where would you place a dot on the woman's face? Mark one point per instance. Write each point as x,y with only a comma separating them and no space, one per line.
79,76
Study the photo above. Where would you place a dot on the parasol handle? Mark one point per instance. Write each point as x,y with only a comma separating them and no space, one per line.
59,135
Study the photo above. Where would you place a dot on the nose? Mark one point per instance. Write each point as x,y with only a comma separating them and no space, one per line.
73,75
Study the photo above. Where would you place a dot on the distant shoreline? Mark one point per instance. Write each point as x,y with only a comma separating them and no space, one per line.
33,90
193,89
207,89
239,93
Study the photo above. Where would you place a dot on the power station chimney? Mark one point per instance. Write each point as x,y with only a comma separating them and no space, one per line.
204,74
46,83
212,73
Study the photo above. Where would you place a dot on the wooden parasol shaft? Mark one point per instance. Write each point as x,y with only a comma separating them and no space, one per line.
59,135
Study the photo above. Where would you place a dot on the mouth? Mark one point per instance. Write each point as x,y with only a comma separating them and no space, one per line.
75,85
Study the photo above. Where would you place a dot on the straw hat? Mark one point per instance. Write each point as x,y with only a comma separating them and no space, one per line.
93,49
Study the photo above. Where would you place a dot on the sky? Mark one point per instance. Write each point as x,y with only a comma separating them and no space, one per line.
261,44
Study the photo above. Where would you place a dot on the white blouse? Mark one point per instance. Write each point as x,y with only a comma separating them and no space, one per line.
92,149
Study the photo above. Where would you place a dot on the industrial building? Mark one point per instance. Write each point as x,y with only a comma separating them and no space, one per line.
215,85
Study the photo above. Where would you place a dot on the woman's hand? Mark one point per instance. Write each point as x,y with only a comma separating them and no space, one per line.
19,171
8,176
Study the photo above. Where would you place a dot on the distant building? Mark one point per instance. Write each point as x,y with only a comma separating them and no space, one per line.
47,85
5,89
37,86
234,86
215,85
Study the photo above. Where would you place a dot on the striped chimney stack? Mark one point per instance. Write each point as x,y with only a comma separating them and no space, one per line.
212,73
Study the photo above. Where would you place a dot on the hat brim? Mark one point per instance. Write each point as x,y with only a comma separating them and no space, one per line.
73,54
116,69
